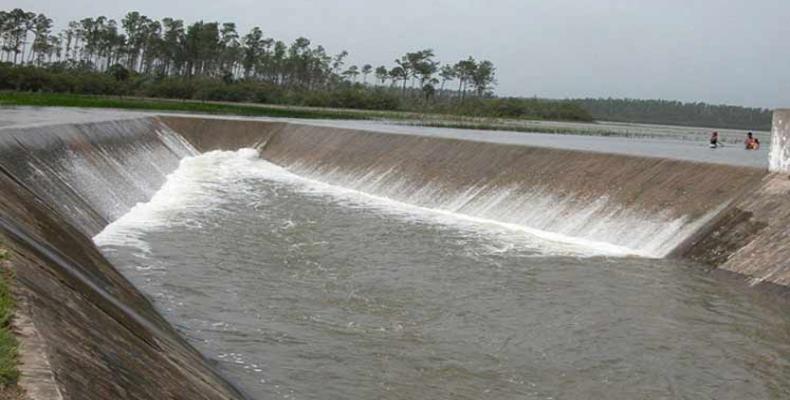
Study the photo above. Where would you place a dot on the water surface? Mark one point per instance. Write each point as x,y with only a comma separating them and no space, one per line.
306,291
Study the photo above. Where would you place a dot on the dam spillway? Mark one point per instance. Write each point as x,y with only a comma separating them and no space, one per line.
64,184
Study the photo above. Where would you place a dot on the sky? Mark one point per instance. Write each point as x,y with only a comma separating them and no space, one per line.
716,51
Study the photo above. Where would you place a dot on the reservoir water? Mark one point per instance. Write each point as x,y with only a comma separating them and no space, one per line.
302,290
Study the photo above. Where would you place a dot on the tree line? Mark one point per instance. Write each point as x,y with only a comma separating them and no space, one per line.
170,48
677,113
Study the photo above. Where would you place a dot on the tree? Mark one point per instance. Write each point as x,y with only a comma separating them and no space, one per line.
447,73
422,65
429,88
112,44
402,71
351,73
201,48
253,47
172,50
152,45
483,77
366,70
133,23
338,61
231,48
465,71
382,74
299,54
17,24
55,48
42,27
279,61
73,37
399,73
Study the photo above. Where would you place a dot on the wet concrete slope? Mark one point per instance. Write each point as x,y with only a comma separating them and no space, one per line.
206,134
92,173
103,339
752,236
647,205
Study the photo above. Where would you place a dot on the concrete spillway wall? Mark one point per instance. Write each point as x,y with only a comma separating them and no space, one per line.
780,142
640,205
752,236
62,184
93,173
59,185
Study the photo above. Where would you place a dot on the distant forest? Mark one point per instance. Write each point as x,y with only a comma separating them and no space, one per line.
677,113
168,58
211,49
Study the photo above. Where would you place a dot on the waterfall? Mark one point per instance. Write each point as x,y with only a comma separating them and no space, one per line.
93,173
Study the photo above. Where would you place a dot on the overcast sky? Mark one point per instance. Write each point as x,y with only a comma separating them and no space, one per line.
717,51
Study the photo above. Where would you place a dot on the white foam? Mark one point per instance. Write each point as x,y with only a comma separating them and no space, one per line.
599,223
193,185
596,228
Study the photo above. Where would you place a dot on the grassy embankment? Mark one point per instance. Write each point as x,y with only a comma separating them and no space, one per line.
8,343
88,101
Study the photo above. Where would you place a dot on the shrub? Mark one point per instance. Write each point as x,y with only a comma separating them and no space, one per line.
8,343
169,89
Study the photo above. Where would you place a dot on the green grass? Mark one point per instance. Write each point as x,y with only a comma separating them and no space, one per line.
8,343
74,100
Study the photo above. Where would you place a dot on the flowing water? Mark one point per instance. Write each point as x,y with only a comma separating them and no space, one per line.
299,289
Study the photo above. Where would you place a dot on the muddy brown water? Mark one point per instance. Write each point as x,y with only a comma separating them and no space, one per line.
301,290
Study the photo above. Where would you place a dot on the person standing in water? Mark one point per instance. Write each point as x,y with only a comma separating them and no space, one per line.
714,140
751,142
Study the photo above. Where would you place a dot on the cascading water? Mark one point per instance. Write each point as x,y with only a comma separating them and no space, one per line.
646,205
94,173
198,180
599,222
